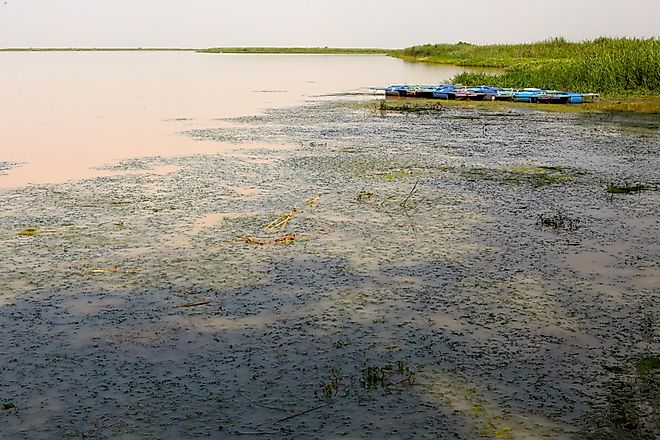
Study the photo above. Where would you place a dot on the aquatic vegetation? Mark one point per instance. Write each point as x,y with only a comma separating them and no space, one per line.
632,405
496,427
397,174
535,176
605,65
648,364
329,389
408,105
389,375
558,221
459,286
283,220
623,188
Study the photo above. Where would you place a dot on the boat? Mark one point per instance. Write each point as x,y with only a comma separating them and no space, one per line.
467,95
575,98
529,94
394,90
553,98
409,91
504,95
485,92
446,91
559,97
425,91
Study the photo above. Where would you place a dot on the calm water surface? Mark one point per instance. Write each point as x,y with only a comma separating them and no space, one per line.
65,113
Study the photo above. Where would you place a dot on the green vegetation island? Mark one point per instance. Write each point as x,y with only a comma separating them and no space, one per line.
302,50
621,66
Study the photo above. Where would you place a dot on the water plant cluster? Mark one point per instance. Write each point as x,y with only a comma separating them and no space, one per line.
604,65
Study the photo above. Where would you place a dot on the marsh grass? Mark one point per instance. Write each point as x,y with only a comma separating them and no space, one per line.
613,66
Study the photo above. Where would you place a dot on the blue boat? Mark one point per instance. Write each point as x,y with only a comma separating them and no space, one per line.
528,95
504,95
425,91
553,98
557,97
445,91
575,98
395,90
485,92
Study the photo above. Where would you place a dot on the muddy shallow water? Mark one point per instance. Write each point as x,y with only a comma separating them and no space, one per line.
453,274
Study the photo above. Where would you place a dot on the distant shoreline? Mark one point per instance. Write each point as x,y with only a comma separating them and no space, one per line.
231,50
301,50
97,49
619,68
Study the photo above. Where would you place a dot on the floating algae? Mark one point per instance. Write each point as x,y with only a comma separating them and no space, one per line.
503,324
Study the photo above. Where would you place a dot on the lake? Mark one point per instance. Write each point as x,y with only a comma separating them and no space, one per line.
65,113
250,245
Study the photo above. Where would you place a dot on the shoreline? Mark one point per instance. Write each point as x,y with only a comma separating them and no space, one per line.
632,105
232,50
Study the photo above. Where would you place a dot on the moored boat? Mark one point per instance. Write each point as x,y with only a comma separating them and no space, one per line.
446,91
485,92
529,94
504,94
425,91
393,90
400,90
553,99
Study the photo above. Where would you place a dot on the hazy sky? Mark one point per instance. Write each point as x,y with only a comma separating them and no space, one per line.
342,23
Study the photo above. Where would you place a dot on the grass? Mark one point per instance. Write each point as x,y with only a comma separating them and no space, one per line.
621,66
299,50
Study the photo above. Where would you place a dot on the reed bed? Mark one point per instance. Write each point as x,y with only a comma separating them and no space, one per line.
621,66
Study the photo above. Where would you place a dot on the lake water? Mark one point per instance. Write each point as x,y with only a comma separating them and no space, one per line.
65,113
334,272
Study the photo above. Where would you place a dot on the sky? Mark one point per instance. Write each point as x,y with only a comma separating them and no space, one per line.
333,23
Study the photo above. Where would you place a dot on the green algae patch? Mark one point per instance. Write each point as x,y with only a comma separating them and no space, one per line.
624,189
534,169
535,176
495,427
543,175
28,232
647,364
397,174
